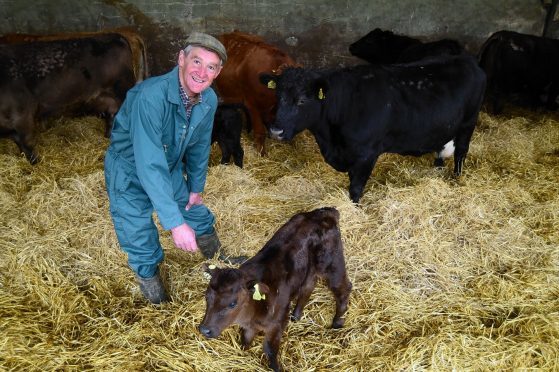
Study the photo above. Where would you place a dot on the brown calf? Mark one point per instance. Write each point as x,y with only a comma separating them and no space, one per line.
257,295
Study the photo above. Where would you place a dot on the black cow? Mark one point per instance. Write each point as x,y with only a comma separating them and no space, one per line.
360,112
522,68
228,124
257,296
41,79
385,47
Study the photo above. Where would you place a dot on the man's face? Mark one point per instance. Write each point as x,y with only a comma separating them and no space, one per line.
198,69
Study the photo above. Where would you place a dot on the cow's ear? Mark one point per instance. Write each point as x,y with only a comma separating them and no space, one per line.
259,291
208,270
268,80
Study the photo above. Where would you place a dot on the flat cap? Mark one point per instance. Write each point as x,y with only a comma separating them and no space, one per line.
208,42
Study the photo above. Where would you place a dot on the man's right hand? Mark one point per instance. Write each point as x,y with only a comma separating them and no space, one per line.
184,238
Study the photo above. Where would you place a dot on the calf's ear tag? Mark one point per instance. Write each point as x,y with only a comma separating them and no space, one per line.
272,84
321,94
206,274
257,296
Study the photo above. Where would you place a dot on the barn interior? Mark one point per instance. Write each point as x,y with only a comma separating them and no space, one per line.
448,274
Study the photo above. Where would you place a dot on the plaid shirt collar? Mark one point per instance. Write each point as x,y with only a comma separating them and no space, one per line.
188,102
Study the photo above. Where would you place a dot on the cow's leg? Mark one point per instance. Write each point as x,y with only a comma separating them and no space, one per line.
446,152
271,347
258,130
304,295
247,335
339,284
25,137
17,119
111,108
462,143
25,143
497,101
238,155
358,176
225,151
551,103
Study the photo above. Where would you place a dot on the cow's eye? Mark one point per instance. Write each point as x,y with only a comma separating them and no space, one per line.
233,304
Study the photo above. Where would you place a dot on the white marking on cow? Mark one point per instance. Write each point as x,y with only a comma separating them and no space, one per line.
516,47
447,151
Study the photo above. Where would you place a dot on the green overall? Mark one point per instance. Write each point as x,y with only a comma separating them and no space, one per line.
155,159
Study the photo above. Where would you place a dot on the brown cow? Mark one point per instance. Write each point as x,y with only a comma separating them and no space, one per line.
247,57
135,41
257,295
66,76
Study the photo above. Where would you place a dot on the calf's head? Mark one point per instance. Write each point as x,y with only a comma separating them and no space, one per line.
230,299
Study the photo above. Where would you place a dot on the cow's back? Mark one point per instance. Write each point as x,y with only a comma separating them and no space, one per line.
303,246
398,108
520,65
65,74
519,57
134,40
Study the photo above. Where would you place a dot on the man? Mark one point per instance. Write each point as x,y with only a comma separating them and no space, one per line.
158,160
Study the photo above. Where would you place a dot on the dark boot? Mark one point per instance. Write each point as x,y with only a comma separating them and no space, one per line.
209,245
153,289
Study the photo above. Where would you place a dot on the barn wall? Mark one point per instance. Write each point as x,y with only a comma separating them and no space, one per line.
315,32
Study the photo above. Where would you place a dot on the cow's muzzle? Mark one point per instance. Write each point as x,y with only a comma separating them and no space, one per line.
207,332
276,133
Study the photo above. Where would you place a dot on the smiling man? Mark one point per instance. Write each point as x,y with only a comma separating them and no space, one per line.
158,159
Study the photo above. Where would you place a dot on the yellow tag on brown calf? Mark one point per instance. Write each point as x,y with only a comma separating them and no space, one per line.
257,296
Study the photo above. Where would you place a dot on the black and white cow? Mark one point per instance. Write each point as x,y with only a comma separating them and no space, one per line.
385,47
360,112
521,68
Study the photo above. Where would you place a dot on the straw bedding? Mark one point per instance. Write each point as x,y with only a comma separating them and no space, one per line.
448,273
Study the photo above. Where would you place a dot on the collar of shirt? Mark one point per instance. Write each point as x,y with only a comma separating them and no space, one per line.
188,102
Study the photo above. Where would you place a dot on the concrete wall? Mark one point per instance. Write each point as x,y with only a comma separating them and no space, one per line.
315,32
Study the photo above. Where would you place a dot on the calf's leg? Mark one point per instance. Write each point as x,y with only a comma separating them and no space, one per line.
247,335
339,284
271,347
304,294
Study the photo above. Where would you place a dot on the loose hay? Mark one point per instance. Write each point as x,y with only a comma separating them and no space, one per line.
448,274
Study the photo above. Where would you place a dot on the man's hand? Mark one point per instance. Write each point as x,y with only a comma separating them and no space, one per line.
184,238
195,198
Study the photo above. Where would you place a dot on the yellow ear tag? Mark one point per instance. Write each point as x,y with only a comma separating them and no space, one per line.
257,296
207,275
321,94
272,84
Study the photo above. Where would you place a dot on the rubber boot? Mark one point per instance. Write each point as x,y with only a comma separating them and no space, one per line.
209,245
153,289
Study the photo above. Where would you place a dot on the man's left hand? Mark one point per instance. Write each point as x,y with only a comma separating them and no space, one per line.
195,198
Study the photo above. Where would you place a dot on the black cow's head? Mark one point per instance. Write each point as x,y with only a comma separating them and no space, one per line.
230,298
381,46
300,94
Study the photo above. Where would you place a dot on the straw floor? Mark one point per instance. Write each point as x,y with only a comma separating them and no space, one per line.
448,274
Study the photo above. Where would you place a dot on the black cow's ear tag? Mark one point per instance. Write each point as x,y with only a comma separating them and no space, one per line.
272,84
321,94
